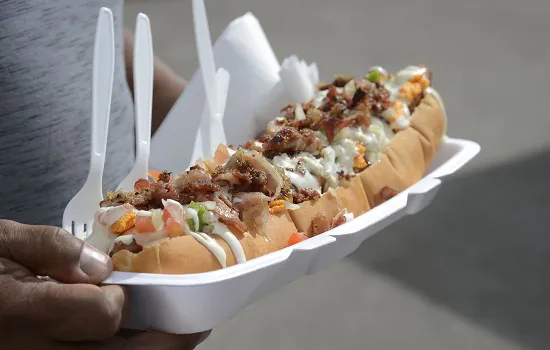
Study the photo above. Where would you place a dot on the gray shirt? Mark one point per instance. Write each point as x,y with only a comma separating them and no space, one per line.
46,52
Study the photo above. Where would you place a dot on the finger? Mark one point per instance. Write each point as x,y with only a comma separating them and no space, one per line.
51,251
75,312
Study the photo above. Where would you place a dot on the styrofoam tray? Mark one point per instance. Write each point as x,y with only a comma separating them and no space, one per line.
183,304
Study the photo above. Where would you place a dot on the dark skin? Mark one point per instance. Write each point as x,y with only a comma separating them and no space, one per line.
76,312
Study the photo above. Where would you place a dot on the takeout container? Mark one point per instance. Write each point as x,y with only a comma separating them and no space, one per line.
184,304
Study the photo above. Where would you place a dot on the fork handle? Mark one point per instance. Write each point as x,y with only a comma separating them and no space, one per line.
143,89
103,69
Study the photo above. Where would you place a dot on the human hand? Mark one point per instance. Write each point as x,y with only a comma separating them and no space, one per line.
74,313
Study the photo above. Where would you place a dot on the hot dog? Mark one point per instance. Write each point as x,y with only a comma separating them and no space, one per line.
354,145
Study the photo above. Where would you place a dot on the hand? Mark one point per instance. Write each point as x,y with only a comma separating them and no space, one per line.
38,313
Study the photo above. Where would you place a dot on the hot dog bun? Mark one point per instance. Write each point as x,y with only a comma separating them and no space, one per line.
350,197
410,152
185,255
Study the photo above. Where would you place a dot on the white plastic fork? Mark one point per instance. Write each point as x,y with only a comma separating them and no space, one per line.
211,132
79,213
143,97
206,56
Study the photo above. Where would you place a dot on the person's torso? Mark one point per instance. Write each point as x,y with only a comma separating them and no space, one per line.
46,53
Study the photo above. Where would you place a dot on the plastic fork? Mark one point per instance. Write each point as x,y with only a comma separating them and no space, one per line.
79,213
211,133
143,96
206,56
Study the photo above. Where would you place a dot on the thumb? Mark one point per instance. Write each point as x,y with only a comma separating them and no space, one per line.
53,252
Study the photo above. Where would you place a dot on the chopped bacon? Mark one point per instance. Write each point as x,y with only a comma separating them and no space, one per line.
132,248
254,145
341,80
274,181
195,174
305,194
386,193
226,201
331,126
319,224
200,186
339,219
414,103
343,176
254,210
293,140
250,172
275,126
227,215
141,183
232,177
164,177
379,98
359,96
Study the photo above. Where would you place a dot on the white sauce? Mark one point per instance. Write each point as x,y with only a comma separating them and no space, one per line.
191,213
232,241
383,135
231,151
211,244
303,181
407,74
398,119
318,100
299,113
349,216
110,215
101,237
156,218
311,165
125,239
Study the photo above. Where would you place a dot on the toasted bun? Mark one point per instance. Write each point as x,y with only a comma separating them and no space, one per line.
185,255
410,153
351,197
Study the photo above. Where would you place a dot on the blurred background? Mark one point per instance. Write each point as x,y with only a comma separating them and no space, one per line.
472,271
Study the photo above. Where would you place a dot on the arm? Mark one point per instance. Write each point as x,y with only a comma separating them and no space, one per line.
167,84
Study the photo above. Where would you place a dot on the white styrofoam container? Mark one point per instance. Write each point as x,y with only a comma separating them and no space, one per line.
184,304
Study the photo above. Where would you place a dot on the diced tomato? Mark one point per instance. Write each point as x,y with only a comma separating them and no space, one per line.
173,227
154,175
221,155
296,237
145,224
141,183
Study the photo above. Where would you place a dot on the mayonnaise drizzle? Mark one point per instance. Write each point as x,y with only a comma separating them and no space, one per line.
101,237
232,241
211,244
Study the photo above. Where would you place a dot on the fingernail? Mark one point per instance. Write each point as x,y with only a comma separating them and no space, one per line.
94,263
